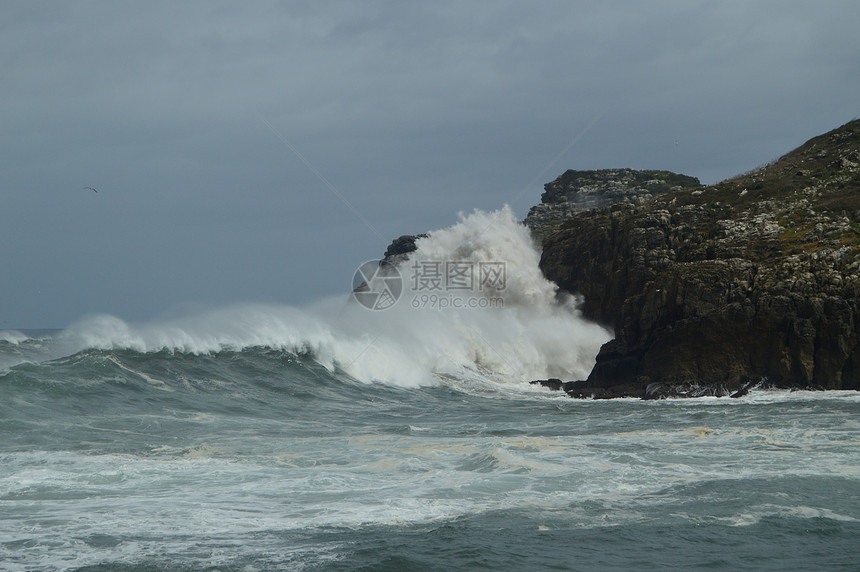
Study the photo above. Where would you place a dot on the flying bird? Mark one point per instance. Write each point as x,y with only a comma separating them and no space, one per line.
92,189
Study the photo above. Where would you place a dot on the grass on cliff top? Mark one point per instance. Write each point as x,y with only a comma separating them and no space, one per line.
653,180
670,180
825,170
817,182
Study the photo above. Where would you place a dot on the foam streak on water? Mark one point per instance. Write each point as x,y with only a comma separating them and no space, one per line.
205,473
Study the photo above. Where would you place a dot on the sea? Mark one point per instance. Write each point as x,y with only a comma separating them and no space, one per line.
397,430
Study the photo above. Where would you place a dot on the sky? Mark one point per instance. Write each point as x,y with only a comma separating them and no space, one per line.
261,151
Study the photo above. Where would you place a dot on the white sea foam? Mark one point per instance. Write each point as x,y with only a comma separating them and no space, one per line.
505,331
18,347
13,336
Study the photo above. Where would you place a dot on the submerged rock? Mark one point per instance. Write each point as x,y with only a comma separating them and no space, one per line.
552,383
586,390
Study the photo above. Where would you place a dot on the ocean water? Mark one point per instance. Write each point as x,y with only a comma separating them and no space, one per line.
333,437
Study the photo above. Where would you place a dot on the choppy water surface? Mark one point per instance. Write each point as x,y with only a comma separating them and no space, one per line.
261,459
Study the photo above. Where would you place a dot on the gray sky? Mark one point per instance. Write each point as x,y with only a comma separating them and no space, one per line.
192,119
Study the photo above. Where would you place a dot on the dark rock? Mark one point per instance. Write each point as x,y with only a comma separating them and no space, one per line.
552,383
706,289
657,391
749,383
399,249
582,390
403,244
585,390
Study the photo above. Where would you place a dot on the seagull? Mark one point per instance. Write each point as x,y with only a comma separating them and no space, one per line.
92,189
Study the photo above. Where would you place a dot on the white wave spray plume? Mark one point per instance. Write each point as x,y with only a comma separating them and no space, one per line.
505,330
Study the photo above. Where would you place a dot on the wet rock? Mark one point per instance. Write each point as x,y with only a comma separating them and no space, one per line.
551,383
400,247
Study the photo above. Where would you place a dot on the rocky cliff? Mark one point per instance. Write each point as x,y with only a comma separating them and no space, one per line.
710,289
579,191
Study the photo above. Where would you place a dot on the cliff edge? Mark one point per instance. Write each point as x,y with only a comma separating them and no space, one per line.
575,192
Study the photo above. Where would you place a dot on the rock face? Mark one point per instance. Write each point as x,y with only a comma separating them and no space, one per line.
400,247
713,288
579,191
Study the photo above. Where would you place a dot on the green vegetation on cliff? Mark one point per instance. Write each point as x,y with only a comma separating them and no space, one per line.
816,184
648,181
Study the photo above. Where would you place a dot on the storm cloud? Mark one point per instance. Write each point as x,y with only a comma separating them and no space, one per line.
262,151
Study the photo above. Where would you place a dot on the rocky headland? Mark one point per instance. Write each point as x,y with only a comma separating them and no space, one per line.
711,290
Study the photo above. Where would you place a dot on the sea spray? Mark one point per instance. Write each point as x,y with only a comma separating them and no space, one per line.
533,333
502,332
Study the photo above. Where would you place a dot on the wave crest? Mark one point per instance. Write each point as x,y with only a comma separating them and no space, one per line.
533,334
